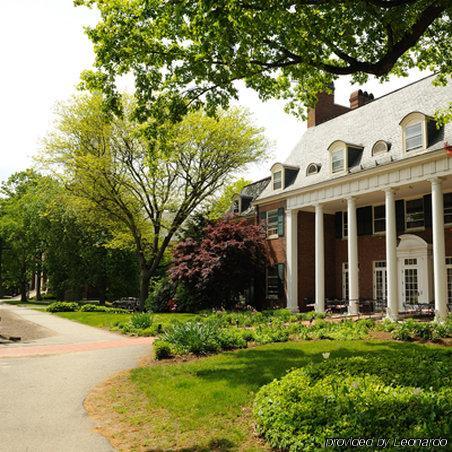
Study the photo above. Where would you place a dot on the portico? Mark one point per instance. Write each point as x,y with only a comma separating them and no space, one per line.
407,278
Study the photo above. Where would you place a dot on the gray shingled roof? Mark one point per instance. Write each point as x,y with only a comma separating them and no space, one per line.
252,191
378,120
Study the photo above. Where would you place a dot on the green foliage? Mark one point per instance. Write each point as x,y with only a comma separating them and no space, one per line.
223,203
409,330
89,307
231,338
161,292
62,306
367,396
162,349
141,320
141,186
274,332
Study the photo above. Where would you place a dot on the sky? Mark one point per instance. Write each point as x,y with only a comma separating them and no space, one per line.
44,49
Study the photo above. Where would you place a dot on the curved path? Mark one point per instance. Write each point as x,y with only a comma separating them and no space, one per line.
43,382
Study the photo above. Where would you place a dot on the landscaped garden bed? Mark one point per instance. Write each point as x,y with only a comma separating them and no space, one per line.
210,403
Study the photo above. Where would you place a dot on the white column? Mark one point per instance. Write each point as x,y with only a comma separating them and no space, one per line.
439,250
319,260
352,242
392,311
292,260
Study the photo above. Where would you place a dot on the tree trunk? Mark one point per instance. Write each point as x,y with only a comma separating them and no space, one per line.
145,280
23,291
38,279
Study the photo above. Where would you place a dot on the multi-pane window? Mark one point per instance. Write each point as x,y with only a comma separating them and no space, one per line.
414,214
277,180
337,160
272,223
344,225
236,206
275,281
380,281
411,281
448,208
345,292
379,219
413,136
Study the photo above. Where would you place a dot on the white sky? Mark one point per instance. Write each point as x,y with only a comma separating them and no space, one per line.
44,49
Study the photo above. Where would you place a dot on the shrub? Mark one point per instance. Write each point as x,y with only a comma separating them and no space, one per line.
271,333
412,330
248,335
230,339
162,349
90,307
378,397
199,338
62,306
141,321
161,293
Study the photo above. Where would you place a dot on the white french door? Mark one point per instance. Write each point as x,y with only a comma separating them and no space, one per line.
380,281
410,281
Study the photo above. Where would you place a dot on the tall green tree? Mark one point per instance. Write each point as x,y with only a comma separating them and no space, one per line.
20,227
143,189
189,53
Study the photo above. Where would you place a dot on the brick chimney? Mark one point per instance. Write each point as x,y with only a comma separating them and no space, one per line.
325,109
360,98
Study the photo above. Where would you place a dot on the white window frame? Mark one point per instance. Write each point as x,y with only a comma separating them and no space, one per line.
374,232
376,154
274,234
345,281
314,167
410,120
380,265
280,173
416,228
337,150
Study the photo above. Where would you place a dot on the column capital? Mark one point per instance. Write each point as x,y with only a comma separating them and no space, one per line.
350,197
436,180
318,205
389,190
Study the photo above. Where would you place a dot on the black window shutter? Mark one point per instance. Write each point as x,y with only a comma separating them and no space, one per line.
280,221
338,224
364,220
400,215
428,211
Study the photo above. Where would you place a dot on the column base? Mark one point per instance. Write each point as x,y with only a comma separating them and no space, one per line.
440,317
353,308
391,317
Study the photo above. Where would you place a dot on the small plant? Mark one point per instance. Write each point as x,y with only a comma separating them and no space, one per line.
162,349
271,333
230,339
63,306
141,321
193,337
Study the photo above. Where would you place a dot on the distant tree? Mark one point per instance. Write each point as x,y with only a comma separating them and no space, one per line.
21,228
224,202
146,189
188,53
220,267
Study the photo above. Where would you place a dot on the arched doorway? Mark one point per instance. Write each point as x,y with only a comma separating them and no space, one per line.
415,266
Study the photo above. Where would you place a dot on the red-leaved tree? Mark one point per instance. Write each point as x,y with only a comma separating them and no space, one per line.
224,264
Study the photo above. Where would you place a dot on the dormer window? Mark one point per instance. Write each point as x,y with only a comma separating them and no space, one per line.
338,161
236,206
380,147
344,156
283,175
313,168
277,180
414,131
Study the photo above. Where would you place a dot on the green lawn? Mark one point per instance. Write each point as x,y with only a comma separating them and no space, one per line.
108,320
206,404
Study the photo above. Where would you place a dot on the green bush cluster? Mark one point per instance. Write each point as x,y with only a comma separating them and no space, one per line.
72,306
405,393
62,306
410,330
139,324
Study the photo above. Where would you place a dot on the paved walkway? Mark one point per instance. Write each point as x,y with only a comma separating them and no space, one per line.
43,383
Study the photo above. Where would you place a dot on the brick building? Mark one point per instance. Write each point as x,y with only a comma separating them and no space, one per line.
362,208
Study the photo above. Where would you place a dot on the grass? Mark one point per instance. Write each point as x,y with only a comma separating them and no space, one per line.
107,320
205,404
